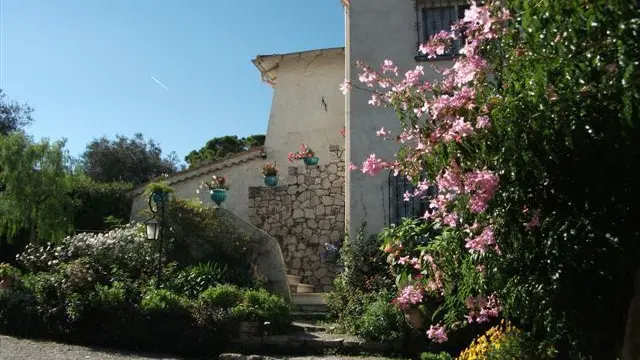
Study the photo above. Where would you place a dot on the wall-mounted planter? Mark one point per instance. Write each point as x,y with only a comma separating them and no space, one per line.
218,196
271,180
312,160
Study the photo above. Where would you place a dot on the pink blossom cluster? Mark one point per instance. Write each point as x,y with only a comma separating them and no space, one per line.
437,333
374,165
437,44
481,243
410,295
535,219
481,308
435,284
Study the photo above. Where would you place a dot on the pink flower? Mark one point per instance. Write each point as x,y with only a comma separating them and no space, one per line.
382,132
403,260
535,220
375,100
481,243
345,86
482,185
387,66
481,308
482,122
437,333
410,295
415,262
450,219
352,166
373,165
437,44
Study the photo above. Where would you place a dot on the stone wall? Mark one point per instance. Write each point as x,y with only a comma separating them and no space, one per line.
305,212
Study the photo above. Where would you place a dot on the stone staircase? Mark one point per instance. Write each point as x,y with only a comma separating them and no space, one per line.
308,303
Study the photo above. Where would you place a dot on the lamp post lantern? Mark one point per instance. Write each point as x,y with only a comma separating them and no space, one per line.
155,228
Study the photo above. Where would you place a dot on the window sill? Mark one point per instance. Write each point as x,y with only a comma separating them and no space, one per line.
424,58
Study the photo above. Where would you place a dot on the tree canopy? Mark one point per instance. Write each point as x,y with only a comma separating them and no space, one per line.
133,160
36,184
220,147
13,116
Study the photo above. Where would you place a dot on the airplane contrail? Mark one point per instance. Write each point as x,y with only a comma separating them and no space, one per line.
159,82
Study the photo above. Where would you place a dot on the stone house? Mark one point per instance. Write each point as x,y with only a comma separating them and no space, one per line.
313,206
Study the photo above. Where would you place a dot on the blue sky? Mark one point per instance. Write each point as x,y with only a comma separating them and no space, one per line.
85,66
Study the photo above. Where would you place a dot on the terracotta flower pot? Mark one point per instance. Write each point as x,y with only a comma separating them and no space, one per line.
414,318
6,282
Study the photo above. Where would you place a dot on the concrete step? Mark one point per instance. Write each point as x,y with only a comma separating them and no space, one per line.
309,298
305,288
293,279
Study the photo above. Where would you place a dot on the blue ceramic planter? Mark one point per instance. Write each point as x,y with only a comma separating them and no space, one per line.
160,197
313,160
271,180
218,196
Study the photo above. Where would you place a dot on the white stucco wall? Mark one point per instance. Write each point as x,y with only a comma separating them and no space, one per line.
377,30
297,112
242,172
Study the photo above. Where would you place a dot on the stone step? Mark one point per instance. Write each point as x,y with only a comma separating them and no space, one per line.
306,316
293,279
309,298
307,326
305,288
310,343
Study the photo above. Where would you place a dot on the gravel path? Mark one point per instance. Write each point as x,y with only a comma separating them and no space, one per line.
23,349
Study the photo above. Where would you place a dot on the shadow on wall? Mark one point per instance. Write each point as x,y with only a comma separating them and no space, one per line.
269,260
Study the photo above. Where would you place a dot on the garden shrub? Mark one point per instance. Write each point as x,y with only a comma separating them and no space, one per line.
198,236
221,296
436,356
193,280
262,306
381,321
99,206
102,290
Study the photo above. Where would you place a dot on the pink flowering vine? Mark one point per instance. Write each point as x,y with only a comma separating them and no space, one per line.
443,114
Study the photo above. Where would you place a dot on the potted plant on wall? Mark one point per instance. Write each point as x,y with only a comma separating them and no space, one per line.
159,191
306,154
218,187
270,173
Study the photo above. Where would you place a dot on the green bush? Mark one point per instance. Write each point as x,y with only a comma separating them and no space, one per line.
97,206
262,306
221,296
381,321
193,280
199,236
433,356
161,300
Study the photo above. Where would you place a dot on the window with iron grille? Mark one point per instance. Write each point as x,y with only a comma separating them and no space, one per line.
433,16
398,208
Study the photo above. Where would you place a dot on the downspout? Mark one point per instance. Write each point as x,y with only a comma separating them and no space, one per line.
347,118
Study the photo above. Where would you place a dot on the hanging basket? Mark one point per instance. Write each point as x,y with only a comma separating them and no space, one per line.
311,160
271,180
218,196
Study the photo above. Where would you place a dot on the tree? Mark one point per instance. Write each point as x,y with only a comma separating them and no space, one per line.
221,147
13,116
37,183
134,160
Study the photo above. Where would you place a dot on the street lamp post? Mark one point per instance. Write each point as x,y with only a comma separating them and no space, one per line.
155,228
